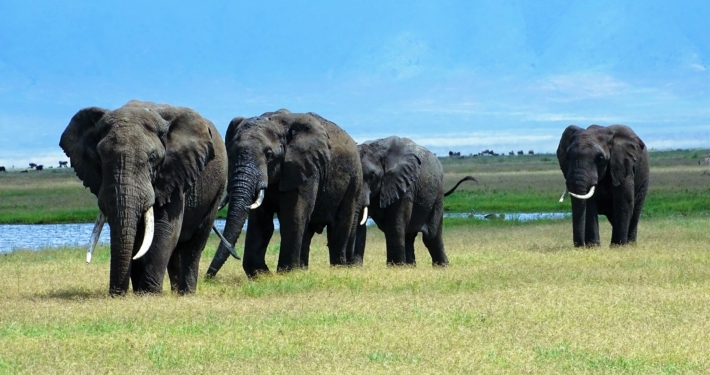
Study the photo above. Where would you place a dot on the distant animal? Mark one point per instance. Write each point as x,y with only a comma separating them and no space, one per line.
2,169
511,153
403,191
520,152
39,167
606,172
454,154
531,152
704,161
63,164
33,165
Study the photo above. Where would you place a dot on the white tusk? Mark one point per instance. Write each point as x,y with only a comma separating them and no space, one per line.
98,226
364,216
148,235
564,194
259,200
585,196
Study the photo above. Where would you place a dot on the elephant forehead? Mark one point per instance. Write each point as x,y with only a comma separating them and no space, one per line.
260,133
134,117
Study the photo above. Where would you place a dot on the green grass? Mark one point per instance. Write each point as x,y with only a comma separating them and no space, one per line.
529,183
517,298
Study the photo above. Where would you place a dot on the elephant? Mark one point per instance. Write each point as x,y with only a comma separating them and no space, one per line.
2,169
301,167
403,190
161,166
606,172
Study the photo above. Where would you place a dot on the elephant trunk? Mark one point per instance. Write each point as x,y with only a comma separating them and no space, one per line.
242,191
124,218
580,186
579,215
581,183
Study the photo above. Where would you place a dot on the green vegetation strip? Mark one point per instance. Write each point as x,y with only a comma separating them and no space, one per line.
507,184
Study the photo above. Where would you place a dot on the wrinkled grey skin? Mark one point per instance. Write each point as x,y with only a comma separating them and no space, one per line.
143,155
615,160
403,187
310,171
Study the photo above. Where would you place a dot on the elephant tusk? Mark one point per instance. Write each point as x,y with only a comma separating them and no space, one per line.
564,194
148,236
98,226
364,216
258,201
226,243
585,196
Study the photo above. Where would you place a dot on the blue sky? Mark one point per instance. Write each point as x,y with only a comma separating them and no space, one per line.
452,75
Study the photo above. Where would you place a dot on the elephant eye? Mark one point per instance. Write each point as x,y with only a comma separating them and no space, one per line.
600,158
269,154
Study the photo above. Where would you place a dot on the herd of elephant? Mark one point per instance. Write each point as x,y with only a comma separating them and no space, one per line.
160,174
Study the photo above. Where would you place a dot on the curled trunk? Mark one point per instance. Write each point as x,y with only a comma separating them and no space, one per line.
241,192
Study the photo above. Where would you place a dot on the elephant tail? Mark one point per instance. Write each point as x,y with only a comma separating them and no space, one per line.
467,178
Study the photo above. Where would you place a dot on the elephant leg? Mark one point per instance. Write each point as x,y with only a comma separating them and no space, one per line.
260,228
168,221
296,209
640,197
433,240
306,246
174,271
623,211
340,235
397,215
359,246
190,252
409,248
591,227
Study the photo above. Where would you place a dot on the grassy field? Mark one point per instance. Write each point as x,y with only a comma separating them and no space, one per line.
506,184
516,299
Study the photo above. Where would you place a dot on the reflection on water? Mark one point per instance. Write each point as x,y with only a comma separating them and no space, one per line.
39,236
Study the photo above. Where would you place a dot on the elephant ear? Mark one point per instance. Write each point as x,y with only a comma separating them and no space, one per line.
567,138
307,151
625,149
401,168
79,142
188,148
233,129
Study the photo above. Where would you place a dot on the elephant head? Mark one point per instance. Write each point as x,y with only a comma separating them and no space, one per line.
592,156
389,167
279,150
134,158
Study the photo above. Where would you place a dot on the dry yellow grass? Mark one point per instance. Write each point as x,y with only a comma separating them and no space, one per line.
516,299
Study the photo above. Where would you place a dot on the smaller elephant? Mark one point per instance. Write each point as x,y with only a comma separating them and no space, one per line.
2,169
405,181
606,172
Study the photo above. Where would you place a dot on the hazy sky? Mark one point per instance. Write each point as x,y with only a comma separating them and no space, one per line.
452,75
